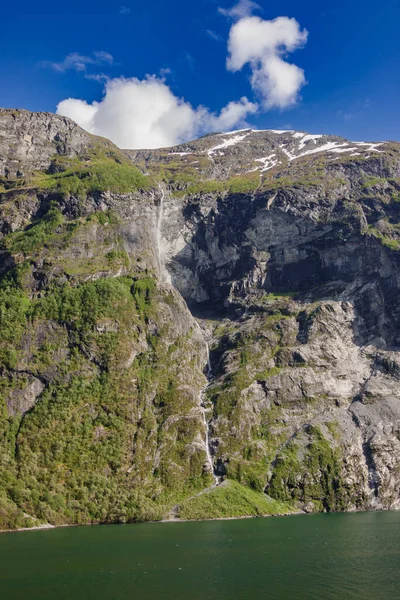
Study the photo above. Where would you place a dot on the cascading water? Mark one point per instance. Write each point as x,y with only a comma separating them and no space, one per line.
160,262
206,424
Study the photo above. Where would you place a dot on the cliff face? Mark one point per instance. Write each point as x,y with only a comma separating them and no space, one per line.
284,246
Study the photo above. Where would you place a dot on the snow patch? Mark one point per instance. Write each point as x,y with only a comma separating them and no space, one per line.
328,147
268,162
339,150
372,146
227,143
180,153
290,156
308,138
277,131
233,132
335,147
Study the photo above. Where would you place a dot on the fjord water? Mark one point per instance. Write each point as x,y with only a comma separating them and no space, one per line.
326,557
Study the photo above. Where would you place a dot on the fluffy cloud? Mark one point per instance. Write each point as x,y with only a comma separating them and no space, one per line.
263,45
79,62
146,114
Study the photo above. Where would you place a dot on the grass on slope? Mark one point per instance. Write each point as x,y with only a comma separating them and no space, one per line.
97,171
231,500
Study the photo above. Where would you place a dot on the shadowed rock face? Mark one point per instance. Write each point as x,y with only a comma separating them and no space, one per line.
286,249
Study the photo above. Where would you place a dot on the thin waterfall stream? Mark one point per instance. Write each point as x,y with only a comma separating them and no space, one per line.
206,423
162,278
158,234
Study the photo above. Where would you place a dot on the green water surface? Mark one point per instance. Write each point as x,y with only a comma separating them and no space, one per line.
329,557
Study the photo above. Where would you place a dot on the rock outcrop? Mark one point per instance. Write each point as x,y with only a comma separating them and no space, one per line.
280,250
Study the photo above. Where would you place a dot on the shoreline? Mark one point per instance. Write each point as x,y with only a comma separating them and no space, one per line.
49,527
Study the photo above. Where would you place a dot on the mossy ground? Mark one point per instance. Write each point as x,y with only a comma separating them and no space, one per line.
96,171
231,500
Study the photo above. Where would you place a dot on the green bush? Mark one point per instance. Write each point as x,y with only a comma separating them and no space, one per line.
35,235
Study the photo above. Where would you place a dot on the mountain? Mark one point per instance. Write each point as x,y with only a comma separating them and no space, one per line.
223,311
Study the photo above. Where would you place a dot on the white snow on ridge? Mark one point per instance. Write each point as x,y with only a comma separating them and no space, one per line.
339,150
180,153
268,162
233,132
290,156
328,147
230,142
372,146
277,131
308,138
368,143
331,147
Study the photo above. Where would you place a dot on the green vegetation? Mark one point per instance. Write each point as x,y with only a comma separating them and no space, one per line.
231,500
385,240
314,479
371,182
36,235
82,453
97,175
97,171
272,296
264,375
191,184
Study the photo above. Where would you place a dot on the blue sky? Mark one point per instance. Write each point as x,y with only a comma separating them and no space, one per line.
351,63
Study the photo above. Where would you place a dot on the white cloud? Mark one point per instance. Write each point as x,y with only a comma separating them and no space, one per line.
79,111
214,35
146,114
263,44
243,8
80,62
99,77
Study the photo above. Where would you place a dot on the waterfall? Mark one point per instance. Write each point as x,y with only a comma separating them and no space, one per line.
158,234
207,443
206,423
209,369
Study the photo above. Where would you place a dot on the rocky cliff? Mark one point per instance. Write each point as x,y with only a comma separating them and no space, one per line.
274,254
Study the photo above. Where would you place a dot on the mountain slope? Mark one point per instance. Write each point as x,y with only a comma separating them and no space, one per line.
285,247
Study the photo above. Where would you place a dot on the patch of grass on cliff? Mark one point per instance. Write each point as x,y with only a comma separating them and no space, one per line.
231,500
268,373
239,184
385,240
15,307
82,306
35,235
97,172
313,478
100,174
272,296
